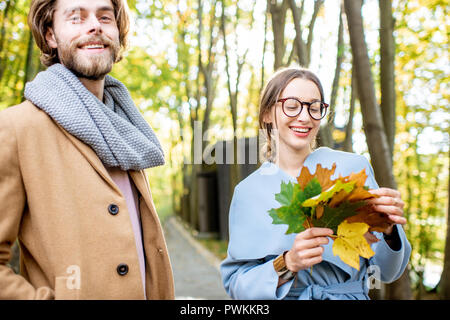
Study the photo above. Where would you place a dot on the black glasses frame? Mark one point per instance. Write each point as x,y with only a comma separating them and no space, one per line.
308,104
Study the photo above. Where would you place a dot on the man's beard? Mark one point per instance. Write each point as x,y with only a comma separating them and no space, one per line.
89,66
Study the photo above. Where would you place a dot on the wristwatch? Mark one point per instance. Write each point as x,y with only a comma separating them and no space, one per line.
280,267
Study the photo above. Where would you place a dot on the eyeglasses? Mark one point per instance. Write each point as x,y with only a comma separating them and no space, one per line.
292,107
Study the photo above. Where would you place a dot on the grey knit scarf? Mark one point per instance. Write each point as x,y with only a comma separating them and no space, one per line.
115,129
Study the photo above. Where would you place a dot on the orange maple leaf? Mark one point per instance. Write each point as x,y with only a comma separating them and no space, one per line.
323,175
377,221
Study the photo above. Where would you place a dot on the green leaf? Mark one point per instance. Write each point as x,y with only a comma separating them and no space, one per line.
312,189
332,217
286,193
276,220
289,215
291,212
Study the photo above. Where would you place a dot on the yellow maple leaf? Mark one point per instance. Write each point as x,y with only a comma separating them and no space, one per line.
350,243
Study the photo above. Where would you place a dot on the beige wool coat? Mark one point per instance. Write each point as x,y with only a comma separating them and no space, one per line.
56,198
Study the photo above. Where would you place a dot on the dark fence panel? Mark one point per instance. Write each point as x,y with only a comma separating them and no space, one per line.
208,217
247,160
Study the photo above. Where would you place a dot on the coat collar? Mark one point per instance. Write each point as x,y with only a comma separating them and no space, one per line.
91,157
141,184
137,176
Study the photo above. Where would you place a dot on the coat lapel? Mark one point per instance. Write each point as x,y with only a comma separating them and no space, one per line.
141,184
137,176
91,157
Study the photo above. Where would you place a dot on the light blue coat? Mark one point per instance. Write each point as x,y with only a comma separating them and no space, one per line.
248,271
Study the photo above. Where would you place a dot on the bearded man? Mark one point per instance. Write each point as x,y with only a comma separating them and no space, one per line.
72,181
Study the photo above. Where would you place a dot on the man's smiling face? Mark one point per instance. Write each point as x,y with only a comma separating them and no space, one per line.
86,35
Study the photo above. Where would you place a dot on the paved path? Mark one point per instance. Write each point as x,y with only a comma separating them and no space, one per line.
195,269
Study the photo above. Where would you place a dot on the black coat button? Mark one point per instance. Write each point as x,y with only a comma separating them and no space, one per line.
122,269
113,209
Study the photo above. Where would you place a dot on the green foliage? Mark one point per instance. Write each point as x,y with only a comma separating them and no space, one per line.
292,212
421,149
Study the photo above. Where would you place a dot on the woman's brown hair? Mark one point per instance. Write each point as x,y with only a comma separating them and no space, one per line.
40,18
270,96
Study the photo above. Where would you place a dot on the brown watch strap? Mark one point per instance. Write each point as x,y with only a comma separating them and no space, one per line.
279,264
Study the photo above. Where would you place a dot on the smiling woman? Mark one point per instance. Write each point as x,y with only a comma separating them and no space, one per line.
264,261
301,85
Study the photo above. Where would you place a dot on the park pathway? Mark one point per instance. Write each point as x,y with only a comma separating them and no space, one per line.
195,269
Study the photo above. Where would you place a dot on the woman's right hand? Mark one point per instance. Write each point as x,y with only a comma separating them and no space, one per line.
307,249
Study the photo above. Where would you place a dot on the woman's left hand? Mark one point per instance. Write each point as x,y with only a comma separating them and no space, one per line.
390,203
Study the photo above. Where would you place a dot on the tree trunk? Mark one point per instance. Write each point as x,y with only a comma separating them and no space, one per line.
278,15
326,131
373,122
300,45
264,49
445,277
233,95
207,70
372,119
200,130
387,74
400,289
304,49
317,5
29,68
348,142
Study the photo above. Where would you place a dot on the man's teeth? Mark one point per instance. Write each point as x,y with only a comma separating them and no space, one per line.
304,130
94,46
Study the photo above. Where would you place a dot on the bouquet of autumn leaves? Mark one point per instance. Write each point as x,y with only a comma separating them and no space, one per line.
340,204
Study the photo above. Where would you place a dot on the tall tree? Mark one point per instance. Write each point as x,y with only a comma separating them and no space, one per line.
326,131
348,141
266,20
29,71
233,91
387,70
372,118
304,49
278,17
206,67
445,278
373,122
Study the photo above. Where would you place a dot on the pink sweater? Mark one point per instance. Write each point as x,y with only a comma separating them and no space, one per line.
130,193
